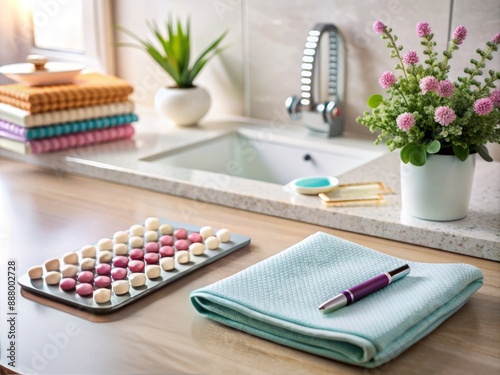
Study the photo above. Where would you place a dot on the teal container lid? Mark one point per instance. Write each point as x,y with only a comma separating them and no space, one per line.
313,185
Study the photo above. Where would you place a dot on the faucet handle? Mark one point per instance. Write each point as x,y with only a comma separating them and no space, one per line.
332,111
294,107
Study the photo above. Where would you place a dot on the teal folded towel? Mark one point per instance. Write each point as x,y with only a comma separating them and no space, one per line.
278,298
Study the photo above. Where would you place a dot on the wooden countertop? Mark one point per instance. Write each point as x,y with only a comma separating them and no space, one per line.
44,213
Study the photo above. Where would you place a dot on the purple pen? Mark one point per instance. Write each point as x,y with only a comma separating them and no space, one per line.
359,291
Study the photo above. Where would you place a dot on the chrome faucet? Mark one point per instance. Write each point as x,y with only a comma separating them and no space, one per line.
324,117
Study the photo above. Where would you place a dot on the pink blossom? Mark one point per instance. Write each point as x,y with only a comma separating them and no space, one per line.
405,121
410,58
495,97
423,29
496,38
387,79
483,106
445,89
459,34
429,83
444,115
378,27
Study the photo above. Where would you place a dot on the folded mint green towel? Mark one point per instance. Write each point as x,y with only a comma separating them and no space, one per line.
278,298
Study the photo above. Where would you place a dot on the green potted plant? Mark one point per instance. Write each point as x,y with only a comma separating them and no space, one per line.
438,124
184,103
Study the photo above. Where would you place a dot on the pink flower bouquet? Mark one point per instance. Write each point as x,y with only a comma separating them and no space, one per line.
424,112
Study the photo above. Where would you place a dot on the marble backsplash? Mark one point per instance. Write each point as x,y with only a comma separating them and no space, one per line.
261,67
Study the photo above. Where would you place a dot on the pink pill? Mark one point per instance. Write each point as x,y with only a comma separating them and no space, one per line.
86,277
67,283
152,247
195,237
120,261
181,234
103,269
136,266
151,258
84,289
136,254
166,240
102,281
181,245
118,273
167,251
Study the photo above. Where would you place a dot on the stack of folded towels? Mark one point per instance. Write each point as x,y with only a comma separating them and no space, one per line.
40,119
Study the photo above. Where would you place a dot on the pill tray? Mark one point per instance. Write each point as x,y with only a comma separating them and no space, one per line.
54,292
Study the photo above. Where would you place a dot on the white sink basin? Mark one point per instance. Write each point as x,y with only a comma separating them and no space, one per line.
252,154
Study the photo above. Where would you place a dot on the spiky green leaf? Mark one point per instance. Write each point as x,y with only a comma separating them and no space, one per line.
175,52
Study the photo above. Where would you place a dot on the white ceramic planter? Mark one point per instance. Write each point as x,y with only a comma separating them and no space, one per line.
184,106
438,191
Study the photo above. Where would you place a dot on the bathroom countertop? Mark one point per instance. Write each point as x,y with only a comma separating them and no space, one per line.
45,214
477,235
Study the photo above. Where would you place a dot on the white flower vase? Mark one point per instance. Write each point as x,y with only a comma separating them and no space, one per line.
182,106
438,191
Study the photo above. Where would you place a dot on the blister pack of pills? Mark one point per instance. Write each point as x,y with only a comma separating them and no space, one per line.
113,272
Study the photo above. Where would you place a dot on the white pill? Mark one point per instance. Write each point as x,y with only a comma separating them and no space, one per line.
87,264
137,279
52,264
182,256
104,256
35,272
102,295
120,249
166,229
206,231
120,287
152,223
52,277
151,236
212,243
167,263
69,270
120,237
224,235
153,271
88,251
105,244
137,230
197,248
136,241
70,258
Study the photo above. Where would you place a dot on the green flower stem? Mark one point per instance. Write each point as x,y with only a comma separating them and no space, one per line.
451,48
393,43
401,93
429,46
486,85
475,71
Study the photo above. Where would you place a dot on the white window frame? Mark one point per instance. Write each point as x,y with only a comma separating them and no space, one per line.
99,43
